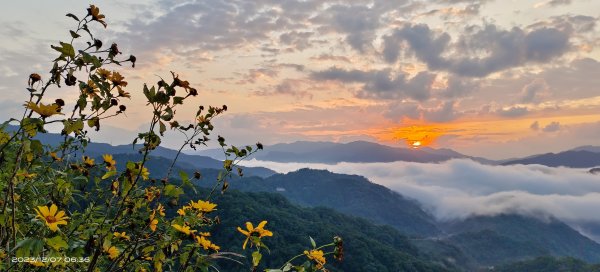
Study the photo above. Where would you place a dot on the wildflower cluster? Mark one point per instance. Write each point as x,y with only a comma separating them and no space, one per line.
61,200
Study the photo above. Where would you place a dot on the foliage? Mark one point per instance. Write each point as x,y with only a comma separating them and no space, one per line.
60,212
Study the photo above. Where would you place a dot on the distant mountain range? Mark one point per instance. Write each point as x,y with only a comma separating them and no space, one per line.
368,152
576,158
184,160
358,151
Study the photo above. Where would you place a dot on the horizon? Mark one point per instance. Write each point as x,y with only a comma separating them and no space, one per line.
471,76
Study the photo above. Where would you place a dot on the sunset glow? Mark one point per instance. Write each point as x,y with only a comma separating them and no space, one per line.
383,71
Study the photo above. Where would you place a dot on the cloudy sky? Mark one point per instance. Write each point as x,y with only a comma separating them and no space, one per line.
484,77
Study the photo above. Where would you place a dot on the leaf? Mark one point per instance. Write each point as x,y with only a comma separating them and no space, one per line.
256,256
109,174
227,164
87,58
72,126
72,16
312,242
173,191
65,49
177,100
162,128
56,243
74,35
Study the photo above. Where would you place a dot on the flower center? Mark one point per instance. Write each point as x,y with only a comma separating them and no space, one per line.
51,219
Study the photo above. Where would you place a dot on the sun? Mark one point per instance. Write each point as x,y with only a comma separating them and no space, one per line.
416,144
418,136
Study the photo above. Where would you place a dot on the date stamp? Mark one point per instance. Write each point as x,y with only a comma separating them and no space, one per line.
64,259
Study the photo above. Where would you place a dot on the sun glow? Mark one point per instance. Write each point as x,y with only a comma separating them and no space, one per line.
416,144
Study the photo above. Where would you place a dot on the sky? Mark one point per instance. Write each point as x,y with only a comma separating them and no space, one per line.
488,78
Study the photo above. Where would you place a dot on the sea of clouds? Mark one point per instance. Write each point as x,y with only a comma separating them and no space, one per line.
461,188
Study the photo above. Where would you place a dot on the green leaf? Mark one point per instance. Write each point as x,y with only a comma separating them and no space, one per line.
162,128
312,242
87,58
74,35
65,49
173,191
256,256
56,243
72,126
227,164
73,16
177,100
109,174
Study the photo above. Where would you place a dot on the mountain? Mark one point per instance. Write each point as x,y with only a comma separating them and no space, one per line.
367,247
589,148
571,158
544,264
358,151
190,161
497,239
471,242
349,194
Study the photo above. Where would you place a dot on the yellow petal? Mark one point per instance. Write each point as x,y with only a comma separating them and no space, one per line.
245,242
44,210
243,231
53,209
249,226
261,225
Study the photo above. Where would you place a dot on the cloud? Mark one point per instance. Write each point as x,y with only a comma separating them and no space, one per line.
462,188
382,84
503,49
552,127
532,91
443,112
535,126
515,111
553,3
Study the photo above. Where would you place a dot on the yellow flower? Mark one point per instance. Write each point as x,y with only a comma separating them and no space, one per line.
203,206
142,171
27,175
316,256
51,216
112,251
37,263
123,93
205,234
117,80
55,157
185,229
151,193
103,73
153,221
96,16
43,110
206,244
182,210
114,187
259,231
109,162
161,209
122,235
91,89
89,162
